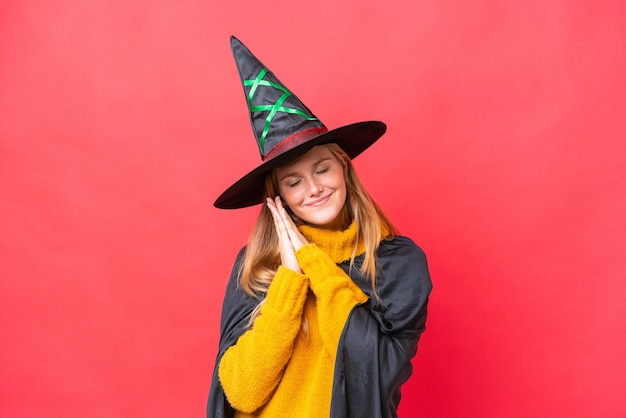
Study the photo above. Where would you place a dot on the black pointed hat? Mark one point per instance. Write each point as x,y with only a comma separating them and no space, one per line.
284,128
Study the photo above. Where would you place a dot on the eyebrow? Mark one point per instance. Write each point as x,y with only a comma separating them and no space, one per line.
295,173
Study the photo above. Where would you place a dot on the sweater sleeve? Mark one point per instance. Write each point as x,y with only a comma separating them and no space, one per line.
251,369
335,291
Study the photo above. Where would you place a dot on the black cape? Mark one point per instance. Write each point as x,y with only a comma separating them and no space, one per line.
378,341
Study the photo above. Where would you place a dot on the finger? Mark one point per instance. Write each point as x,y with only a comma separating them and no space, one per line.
283,213
288,223
287,252
278,222
295,236
281,225
272,207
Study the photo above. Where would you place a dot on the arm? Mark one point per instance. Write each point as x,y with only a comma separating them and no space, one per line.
251,369
335,291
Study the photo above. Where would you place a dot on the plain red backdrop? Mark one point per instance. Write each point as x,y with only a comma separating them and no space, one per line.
121,122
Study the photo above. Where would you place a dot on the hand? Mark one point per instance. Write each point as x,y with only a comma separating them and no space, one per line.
289,237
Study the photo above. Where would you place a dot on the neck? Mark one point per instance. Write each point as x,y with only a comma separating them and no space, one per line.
340,245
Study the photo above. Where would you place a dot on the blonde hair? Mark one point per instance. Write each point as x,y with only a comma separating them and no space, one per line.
262,255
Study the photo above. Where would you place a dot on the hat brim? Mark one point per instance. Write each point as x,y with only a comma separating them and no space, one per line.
250,189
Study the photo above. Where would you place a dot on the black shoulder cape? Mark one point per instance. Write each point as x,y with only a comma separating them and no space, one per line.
378,341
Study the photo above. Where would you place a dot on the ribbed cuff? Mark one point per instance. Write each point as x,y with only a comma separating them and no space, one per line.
287,293
316,264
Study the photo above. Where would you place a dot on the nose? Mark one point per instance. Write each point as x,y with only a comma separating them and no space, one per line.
314,188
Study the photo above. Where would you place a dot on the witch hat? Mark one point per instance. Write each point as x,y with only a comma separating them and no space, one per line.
284,128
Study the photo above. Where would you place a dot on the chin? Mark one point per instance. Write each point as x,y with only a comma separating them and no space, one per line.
322,217
322,221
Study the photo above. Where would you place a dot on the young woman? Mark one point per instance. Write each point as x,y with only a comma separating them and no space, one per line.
325,305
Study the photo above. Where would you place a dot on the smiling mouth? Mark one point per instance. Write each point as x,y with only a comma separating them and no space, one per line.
318,202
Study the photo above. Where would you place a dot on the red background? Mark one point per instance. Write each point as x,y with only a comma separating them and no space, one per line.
121,122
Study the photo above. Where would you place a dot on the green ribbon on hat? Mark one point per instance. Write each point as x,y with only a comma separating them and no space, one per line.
272,109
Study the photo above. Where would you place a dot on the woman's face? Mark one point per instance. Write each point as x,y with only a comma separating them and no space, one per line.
314,188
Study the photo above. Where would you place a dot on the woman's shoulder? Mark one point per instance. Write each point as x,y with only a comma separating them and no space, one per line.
240,254
233,279
403,267
400,246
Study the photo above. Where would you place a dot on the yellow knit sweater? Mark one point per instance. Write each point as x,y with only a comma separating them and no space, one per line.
278,370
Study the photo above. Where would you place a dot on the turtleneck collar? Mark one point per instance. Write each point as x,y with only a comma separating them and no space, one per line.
339,245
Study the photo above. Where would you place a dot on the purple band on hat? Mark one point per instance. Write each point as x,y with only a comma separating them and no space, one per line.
294,140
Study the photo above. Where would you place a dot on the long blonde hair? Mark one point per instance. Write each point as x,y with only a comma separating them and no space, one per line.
262,256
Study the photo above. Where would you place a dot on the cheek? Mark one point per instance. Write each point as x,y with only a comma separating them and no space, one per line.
290,196
344,196
341,186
